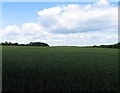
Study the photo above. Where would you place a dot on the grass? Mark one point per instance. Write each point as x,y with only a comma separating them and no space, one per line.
59,69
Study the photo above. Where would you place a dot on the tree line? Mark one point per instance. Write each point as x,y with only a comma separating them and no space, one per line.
108,46
45,44
30,44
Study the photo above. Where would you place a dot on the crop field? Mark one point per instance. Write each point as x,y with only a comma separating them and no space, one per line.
28,68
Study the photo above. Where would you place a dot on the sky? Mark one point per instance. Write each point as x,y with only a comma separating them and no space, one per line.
60,23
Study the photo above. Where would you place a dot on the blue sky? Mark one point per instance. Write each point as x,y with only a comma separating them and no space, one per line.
60,23
19,12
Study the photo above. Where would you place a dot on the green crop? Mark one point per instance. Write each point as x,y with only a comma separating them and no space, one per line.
59,69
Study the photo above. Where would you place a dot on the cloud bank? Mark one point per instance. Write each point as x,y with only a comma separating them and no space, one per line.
71,24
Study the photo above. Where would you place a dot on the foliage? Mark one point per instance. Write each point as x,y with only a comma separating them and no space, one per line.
10,44
108,46
30,44
45,44
38,44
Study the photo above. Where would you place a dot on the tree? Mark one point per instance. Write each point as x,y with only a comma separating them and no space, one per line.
38,44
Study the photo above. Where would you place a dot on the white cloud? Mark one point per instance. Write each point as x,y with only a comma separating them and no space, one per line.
71,24
102,3
74,18
10,32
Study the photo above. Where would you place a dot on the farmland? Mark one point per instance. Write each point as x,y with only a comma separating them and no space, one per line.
29,68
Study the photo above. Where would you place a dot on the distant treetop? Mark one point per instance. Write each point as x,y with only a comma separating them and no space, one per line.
45,44
30,44
38,44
